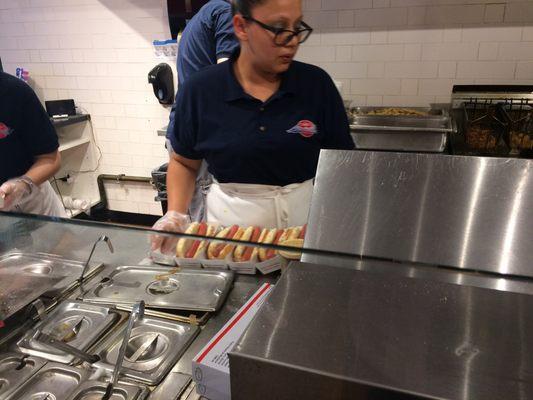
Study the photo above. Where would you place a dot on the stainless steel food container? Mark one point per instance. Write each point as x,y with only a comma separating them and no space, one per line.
420,133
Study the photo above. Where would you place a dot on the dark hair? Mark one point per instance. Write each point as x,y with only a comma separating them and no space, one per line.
244,7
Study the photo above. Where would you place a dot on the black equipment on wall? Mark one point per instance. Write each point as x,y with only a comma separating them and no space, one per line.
180,11
162,80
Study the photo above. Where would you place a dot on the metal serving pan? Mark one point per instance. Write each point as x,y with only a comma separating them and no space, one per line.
196,290
154,347
94,390
53,381
402,133
75,323
15,369
24,277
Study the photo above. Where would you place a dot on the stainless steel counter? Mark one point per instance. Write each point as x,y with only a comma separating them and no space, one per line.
464,212
374,336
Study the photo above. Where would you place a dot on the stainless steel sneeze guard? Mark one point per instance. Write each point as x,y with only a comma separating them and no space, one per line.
24,277
367,335
196,290
465,212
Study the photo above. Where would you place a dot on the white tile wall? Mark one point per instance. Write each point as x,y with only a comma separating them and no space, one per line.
385,52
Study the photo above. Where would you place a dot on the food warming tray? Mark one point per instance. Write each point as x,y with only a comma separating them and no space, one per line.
94,390
154,347
24,277
78,324
427,133
196,290
53,381
15,369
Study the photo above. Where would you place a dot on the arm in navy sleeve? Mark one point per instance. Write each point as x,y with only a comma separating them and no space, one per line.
183,134
337,126
37,131
225,38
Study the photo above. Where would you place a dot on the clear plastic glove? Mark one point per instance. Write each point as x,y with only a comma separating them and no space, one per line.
13,192
172,221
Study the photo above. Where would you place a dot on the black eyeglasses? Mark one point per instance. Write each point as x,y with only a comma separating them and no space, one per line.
283,37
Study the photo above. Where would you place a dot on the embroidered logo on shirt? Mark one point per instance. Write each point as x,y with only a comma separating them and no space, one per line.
304,128
5,130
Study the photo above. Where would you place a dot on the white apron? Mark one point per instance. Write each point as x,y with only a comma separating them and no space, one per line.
259,205
43,200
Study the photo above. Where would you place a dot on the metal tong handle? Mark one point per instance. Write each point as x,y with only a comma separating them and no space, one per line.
103,238
66,348
137,312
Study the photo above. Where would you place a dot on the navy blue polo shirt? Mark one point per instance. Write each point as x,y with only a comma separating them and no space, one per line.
25,128
247,141
207,37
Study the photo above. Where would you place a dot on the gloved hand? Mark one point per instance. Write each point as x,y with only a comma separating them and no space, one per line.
172,221
13,192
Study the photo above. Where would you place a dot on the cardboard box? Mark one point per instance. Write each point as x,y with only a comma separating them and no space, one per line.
210,367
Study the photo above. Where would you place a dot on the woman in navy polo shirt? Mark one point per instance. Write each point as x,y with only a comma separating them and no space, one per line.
29,153
259,120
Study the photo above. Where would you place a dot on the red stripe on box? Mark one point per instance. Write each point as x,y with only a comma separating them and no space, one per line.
237,318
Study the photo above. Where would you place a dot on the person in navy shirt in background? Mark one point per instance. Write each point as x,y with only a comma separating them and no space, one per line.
29,153
207,39
260,121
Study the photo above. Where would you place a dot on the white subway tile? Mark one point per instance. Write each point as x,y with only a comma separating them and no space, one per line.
86,96
515,51
436,87
412,52
59,69
376,70
345,37
56,56
409,87
14,29
455,14
411,69
312,54
452,35
80,69
494,12
15,56
76,42
379,36
312,5
450,51
345,4
416,36
527,34
380,17
343,53
380,3
375,86
374,101
33,42
346,70
519,12
328,19
155,209
61,82
35,56
346,19
485,69
408,101
492,34
524,70
8,43
385,52
447,69
416,16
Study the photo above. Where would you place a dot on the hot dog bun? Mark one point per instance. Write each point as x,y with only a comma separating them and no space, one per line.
194,248
272,237
245,253
219,251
